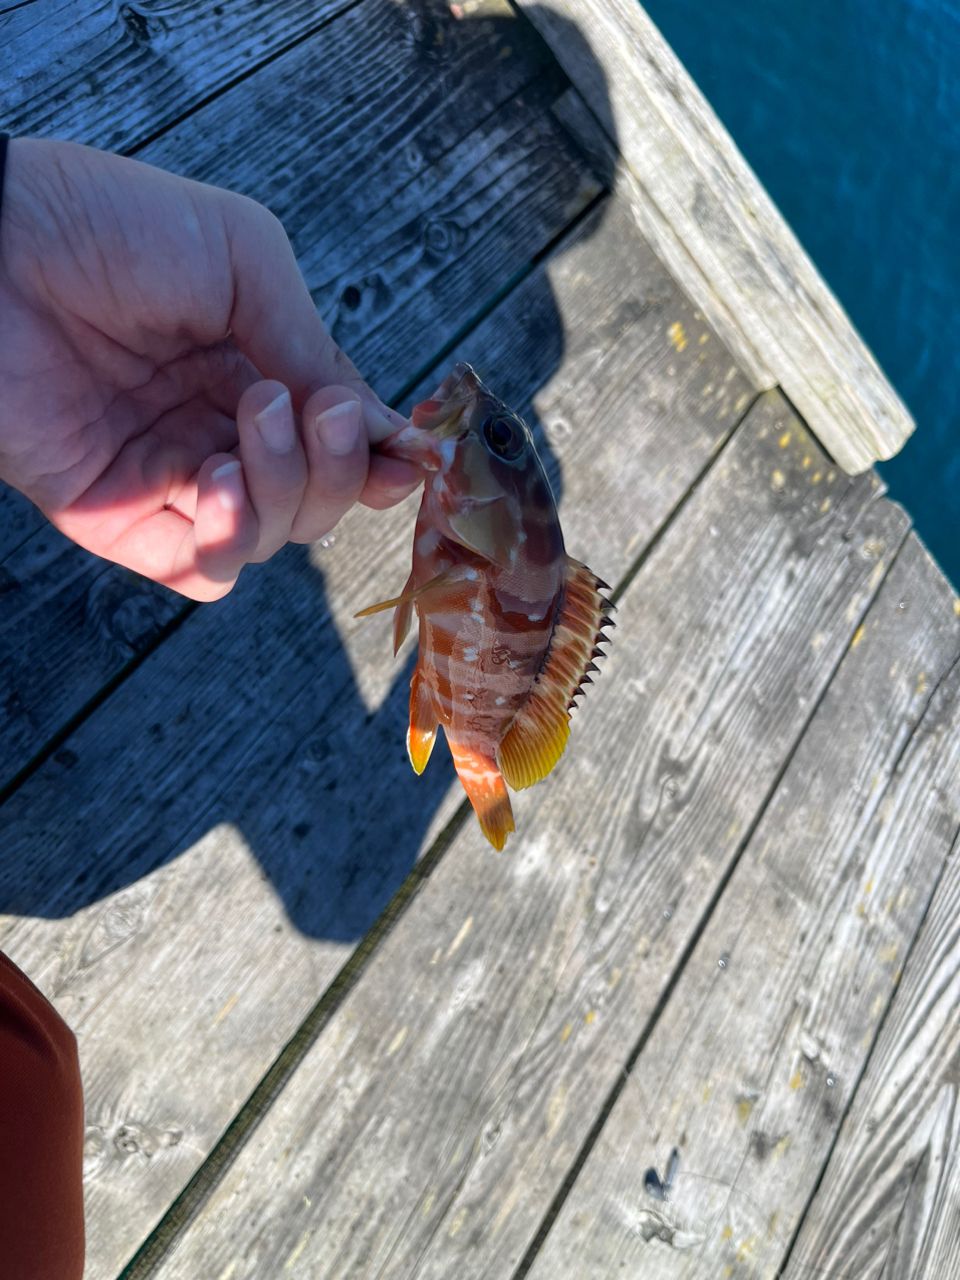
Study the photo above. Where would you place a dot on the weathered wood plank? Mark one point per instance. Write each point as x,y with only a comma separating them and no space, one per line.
889,1204
713,224
432,1122
761,1045
195,879
437,207
113,75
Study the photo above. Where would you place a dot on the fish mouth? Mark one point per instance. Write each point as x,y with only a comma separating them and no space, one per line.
436,420
444,413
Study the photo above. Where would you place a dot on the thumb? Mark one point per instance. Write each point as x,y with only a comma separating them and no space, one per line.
274,321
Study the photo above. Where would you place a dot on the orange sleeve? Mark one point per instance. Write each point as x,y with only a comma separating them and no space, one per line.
41,1136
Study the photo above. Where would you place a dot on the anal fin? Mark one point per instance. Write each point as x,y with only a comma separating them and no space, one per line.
422,733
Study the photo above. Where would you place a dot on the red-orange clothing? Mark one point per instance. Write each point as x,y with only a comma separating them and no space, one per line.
41,1136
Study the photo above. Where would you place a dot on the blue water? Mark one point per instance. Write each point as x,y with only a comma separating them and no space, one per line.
849,113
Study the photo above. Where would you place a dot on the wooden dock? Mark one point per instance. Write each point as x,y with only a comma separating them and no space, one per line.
327,1032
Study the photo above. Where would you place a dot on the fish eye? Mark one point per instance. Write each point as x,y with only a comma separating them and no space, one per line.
504,438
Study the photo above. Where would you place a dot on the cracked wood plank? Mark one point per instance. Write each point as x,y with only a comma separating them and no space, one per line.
434,1119
111,75
407,224
889,1203
759,1051
709,219
194,867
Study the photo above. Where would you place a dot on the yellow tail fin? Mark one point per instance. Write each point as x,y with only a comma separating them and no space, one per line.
486,791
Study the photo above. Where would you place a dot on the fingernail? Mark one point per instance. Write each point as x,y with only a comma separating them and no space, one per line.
228,483
379,425
275,424
339,427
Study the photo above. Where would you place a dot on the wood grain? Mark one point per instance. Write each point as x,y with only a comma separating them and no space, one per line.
202,856
435,208
760,1047
714,226
889,1203
112,75
430,1126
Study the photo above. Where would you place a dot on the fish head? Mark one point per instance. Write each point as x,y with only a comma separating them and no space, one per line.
488,485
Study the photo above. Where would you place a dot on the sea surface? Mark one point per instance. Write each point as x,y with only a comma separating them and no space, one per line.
849,113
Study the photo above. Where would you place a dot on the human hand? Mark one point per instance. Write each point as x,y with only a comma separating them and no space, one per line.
157,347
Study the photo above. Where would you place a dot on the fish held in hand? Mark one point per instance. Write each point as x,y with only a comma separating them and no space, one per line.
509,623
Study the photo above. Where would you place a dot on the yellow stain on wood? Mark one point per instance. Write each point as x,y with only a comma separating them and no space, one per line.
741,403
744,1108
298,1249
396,1042
727,1271
459,940
785,439
869,886
566,1032
858,635
745,1248
825,505
615,976
703,339
778,479
807,460
921,683
230,1004
876,573
889,954
727,1232
780,1150
677,335
878,1006
505,1210
459,1218
707,1091
590,1016
556,1110
796,1080
428,1204
956,607
816,477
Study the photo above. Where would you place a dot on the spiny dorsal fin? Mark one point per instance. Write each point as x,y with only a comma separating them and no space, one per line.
536,738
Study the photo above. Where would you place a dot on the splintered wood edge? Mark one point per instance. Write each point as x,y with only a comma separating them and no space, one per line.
713,224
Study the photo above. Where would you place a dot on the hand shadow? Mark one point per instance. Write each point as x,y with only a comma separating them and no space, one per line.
317,785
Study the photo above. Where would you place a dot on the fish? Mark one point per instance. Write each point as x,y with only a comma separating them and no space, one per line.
509,624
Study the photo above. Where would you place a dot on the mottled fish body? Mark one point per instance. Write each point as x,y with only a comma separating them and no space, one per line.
509,623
